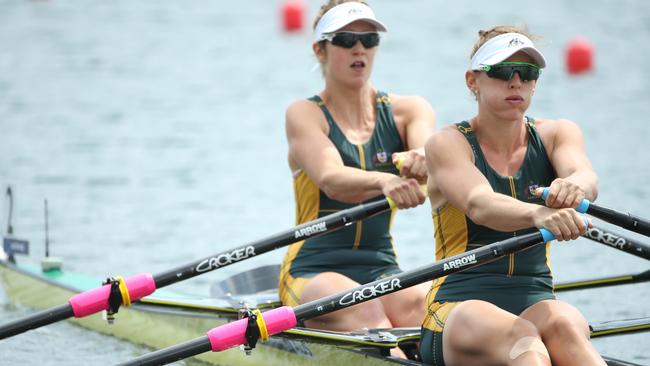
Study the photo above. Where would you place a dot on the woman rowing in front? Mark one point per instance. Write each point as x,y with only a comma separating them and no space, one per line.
343,144
484,175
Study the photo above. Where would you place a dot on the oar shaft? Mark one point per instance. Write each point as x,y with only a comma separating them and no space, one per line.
138,286
283,318
310,229
172,354
618,241
624,220
457,263
36,320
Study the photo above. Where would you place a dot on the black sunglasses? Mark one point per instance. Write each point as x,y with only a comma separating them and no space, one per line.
506,70
349,39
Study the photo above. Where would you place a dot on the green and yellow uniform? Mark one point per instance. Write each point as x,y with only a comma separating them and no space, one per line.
362,251
512,283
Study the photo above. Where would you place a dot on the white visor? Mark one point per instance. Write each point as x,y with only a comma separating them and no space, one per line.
501,47
342,15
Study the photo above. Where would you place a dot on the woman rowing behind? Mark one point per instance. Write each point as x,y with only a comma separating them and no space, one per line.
343,143
483,186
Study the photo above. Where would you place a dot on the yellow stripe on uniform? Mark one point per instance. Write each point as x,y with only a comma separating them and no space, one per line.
511,257
359,224
307,198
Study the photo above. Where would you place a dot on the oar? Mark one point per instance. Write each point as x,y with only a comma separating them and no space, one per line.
124,291
618,241
618,327
624,220
603,281
284,318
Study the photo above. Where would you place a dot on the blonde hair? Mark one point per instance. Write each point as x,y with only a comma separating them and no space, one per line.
329,5
486,35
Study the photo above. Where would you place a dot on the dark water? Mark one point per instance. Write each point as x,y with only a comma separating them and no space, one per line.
155,131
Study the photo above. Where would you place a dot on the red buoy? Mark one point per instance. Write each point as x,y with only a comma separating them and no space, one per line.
293,12
579,56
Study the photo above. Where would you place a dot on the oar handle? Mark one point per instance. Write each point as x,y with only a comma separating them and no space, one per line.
398,165
548,236
582,207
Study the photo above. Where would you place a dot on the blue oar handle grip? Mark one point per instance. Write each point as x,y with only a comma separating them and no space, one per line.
548,236
582,207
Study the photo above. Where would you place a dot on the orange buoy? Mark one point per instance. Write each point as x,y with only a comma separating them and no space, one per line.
579,56
293,12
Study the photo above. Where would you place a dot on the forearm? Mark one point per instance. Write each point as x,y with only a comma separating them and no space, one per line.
501,212
587,180
352,185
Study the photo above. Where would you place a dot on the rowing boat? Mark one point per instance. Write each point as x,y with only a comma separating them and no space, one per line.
166,318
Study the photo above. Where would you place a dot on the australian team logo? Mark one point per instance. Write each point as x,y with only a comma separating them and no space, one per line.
515,42
530,195
381,158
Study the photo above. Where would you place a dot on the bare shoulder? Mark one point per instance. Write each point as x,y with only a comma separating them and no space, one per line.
555,124
553,129
407,104
447,140
301,107
304,114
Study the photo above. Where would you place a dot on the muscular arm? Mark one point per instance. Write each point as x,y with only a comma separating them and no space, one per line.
456,180
416,119
577,179
313,152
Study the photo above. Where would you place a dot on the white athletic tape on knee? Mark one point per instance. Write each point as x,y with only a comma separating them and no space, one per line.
528,344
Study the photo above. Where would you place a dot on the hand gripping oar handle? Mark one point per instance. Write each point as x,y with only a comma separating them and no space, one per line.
284,318
582,207
624,220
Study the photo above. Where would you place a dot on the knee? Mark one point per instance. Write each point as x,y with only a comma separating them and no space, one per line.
565,326
488,324
370,312
522,328
413,300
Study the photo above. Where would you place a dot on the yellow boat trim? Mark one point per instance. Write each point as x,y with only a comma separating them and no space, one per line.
620,330
346,339
593,282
